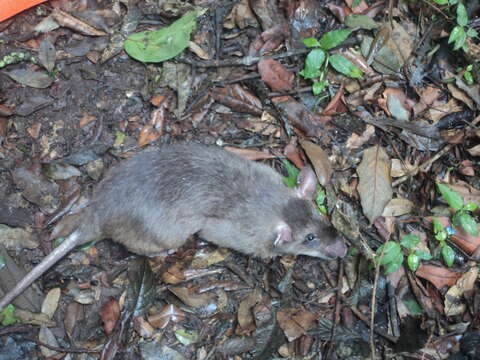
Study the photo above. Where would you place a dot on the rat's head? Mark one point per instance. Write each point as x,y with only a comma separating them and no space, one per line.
304,231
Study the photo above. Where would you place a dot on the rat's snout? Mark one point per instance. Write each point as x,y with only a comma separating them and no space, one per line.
336,249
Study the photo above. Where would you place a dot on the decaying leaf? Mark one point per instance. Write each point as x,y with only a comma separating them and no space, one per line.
320,161
439,276
375,184
454,303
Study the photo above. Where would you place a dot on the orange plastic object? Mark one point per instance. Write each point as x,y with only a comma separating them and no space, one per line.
8,8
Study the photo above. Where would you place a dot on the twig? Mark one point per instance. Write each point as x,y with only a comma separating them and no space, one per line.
362,317
62,350
245,61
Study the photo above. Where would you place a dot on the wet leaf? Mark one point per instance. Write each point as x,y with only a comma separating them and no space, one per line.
163,44
34,79
47,54
375,183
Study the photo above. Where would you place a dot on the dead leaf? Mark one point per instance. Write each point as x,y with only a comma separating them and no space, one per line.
439,276
191,298
454,299
336,104
47,54
398,207
46,336
275,75
295,322
86,119
166,315
110,313
50,303
66,20
16,238
320,161
34,130
293,154
34,79
474,151
355,141
239,99
375,183
460,95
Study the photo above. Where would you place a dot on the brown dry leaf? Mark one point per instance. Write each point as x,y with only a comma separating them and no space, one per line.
439,276
454,304
460,95
340,11
143,327
249,154
336,104
34,130
375,183
292,154
166,315
320,161
73,314
3,126
241,15
400,169
295,322
110,313
473,91
246,320
147,135
191,298
239,99
398,207
66,20
474,151
440,109
467,168
50,303
356,141
197,50
428,96
266,125
174,274
400,43
5,111
275,75
203,259
86,119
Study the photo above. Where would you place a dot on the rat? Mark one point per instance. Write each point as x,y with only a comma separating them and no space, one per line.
157,199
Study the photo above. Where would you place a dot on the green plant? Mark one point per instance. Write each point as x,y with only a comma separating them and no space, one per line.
459,34
461,217
467,74
394,254
318,59
442,234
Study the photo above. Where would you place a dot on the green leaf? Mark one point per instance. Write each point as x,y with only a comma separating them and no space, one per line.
410,241
392,267
470,206
448,255
291,179
186,337
413,307
441,236
455,34
472,32
334,38
422,254
462,16
323,209
319,86
163,44
468,223
360,21
313,62
452,198
461,37
355,3
392,253
311,42
441,2
344,66
467,75
320,199
8,314
437,225
413,262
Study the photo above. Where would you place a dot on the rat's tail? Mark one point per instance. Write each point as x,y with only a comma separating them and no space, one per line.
59,252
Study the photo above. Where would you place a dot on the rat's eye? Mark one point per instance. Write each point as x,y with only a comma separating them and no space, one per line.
310,237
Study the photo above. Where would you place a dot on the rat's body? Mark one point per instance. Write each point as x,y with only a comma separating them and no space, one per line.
157,199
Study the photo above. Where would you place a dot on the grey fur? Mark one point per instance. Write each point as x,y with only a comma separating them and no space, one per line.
157,199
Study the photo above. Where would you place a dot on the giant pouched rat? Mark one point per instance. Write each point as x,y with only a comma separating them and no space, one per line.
155,200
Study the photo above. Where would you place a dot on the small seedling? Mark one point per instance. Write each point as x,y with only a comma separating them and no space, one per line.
318,59
394,254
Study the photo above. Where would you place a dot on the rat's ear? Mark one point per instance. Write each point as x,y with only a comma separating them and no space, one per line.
307,183
283,235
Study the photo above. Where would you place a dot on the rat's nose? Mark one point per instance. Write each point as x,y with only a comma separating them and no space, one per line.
336,249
